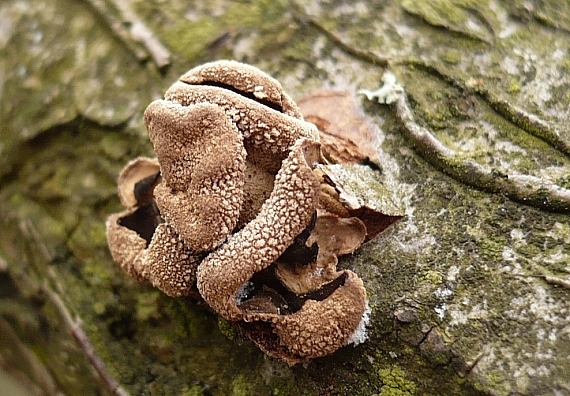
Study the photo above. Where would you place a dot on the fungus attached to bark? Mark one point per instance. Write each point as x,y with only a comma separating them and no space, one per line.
234,205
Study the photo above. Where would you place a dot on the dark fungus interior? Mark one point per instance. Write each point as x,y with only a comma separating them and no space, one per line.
147,217
143,221
265,292
298,252
144,188
269,291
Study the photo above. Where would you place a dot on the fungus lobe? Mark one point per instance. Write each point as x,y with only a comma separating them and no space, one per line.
234,206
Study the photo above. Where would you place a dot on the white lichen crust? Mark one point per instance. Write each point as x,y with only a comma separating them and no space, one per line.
388,93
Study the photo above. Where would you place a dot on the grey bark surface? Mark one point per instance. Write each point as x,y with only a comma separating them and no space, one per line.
469,292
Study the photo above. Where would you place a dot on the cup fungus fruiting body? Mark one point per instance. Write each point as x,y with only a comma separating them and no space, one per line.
233,207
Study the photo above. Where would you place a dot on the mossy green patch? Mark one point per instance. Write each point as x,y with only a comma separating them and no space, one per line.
492,247
186,317
226,328
96,271
433,277
147,306
53,230
89,239
194,390
192,38
514,85
495,380
451,56
395,382
242,387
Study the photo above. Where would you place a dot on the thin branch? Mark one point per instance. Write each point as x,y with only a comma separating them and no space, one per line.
74,325
82,339
132,31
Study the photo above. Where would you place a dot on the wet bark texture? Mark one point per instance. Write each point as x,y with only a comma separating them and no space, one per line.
470,291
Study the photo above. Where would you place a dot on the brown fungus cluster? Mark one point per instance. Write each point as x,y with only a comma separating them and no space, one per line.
234,207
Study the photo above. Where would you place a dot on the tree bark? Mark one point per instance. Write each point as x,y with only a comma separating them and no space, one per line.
469,292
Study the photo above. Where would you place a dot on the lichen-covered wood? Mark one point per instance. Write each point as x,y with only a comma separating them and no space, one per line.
467,283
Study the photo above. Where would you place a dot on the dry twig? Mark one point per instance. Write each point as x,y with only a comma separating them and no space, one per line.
131,30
